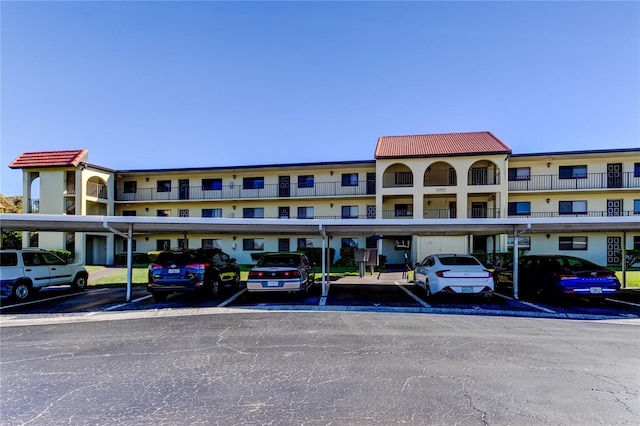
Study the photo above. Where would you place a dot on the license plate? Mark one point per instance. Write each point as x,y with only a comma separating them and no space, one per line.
174,270
272,283
596,290
467,289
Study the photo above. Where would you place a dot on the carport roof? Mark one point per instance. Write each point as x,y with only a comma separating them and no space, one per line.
160,225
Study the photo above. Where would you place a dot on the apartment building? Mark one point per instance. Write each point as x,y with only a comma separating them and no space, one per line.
421,177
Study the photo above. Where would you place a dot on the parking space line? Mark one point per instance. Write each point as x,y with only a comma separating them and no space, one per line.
111,308
54,298
503,296
232,298
533,305
323,301
622,301
416,298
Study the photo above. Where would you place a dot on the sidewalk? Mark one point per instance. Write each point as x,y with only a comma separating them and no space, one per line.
383,278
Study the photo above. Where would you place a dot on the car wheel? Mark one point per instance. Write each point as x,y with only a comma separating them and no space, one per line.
21,291
213,288
427,290
79,283
159,297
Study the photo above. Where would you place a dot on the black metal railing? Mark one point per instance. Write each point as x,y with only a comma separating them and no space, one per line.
593,213
586,181
238,192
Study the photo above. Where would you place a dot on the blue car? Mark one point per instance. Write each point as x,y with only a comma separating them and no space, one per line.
558,276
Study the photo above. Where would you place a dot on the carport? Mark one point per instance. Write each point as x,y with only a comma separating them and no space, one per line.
128,226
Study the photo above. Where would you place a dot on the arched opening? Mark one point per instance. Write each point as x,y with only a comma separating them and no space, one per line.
397,176
483,172
440,173
97,187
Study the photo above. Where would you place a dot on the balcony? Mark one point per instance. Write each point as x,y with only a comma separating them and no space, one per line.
237,192
397,214
587,214
33,205
624,180
97,190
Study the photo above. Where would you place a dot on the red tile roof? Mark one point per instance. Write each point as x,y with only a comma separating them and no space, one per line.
69,158
437,145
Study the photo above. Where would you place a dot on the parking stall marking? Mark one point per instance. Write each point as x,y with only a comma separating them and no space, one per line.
410,293
53,298
139,299
232,298
622,301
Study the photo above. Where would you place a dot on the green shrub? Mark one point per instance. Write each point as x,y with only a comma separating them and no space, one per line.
347,257
315,254
136,259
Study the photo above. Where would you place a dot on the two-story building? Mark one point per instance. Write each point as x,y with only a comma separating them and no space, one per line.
438,176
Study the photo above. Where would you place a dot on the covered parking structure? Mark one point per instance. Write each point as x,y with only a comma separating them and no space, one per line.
128,226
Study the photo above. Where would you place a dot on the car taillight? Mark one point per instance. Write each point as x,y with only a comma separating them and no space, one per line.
256,274
441,273
155,266
489,273
196,266
566,276
291,274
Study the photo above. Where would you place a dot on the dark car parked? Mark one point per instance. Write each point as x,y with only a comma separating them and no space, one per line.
201,271
558,275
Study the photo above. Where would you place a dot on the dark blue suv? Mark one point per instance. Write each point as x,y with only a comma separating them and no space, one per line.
183,271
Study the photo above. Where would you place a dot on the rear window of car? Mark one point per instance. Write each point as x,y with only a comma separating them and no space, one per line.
8,259
458,260
179,258
287,260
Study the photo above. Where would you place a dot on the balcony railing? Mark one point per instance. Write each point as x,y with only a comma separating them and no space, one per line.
70,188
97,190
397,214
587,214
588,181
237,192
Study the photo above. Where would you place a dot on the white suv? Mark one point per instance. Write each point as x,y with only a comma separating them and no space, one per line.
23,272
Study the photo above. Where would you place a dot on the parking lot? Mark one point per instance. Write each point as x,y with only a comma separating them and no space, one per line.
387,293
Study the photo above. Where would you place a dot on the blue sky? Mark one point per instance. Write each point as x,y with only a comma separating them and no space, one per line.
189,84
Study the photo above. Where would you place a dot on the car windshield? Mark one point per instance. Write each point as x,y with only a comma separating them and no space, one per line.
458,260
280,260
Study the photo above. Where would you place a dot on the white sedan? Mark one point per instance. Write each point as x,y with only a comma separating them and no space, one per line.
453,274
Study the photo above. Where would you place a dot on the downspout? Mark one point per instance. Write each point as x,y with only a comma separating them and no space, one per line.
129,238
516,234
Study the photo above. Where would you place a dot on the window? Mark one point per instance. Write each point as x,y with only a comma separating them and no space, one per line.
182,243
349,179
636,170
305,181
636,206
209,243
129,213
253,183
211,212
305,212
124,245
164,213
253,244
520,207
403,210
372,242
163,186
163,244
636,242
211,184
572,243
183,213
8,259
253,212
573,172
402,178
130,187
349,243
520,173
573,207
349,212
305,243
